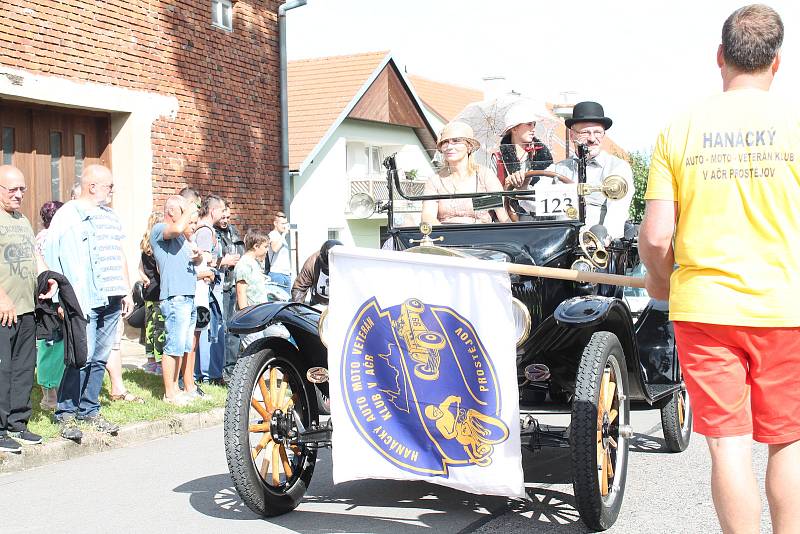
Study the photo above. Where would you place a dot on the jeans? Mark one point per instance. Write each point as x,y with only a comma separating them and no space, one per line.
209,355
79,393
180,316
231,340
17,360
283,280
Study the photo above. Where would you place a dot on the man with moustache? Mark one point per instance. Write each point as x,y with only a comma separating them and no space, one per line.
587,127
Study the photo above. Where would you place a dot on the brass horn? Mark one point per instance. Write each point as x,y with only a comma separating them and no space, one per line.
613,188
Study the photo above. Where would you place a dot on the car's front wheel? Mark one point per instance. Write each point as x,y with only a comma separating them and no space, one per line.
600,430
267,402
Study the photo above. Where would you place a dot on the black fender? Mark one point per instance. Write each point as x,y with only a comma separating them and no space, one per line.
302,322
596,313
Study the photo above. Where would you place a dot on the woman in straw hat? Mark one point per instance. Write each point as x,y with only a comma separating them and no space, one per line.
460,175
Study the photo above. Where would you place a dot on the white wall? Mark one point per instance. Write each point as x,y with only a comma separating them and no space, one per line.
322,190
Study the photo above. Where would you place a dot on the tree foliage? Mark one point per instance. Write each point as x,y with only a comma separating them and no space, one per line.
640,164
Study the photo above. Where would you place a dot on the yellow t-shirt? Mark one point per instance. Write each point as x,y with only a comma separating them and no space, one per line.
732,164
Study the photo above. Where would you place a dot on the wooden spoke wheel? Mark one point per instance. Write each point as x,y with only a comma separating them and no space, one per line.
676,420
599,430
266,398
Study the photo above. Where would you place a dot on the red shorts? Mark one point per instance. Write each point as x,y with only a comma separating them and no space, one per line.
742,380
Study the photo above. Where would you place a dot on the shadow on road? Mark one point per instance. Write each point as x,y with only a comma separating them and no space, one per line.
387,506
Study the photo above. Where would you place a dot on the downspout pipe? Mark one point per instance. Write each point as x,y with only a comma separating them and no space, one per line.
285,183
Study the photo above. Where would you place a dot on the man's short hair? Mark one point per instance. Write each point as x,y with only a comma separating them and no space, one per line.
253,238
751,37
279,215
190,194
211,202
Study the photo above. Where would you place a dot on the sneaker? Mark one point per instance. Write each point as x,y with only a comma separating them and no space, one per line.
180,399
27,437
101,424
149,367
192,396
68,428
9,445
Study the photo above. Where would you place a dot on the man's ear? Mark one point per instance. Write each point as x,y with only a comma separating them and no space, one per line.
776,63
720,56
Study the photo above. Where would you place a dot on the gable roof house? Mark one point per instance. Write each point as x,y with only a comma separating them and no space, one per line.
346,114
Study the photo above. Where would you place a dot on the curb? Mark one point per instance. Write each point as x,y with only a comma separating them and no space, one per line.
59,449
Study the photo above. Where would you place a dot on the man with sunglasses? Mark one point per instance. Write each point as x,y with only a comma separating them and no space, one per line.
84,243
587,127
18,281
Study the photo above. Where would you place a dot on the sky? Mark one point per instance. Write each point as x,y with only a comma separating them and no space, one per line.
643,61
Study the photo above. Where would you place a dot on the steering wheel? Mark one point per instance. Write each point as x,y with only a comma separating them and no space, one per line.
593,248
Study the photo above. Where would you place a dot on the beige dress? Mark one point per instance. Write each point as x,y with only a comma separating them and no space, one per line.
459,210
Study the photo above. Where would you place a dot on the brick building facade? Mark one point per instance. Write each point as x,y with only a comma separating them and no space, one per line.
183,100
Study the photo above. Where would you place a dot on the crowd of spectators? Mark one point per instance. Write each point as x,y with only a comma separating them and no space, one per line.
195,271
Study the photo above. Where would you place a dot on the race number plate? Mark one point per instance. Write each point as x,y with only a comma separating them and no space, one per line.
556,199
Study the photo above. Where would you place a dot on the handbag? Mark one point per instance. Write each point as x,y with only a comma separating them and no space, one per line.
136,318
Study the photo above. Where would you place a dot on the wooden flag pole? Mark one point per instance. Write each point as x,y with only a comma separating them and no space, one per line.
576,276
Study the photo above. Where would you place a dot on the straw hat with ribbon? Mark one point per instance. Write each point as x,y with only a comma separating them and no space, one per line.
459,130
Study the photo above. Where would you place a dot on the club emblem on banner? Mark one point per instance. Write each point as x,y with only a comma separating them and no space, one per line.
420,387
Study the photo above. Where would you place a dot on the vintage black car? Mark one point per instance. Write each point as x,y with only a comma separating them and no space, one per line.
583,348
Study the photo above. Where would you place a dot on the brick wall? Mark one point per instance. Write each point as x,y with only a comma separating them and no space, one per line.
226,136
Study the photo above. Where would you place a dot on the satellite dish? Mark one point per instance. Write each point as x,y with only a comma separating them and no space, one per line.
362,205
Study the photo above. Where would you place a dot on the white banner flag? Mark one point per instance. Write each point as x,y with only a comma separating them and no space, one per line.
422,361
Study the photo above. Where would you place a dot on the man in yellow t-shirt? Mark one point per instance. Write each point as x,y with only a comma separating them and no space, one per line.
722,200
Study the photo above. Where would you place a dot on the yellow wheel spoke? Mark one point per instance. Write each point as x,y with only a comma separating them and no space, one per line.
273,386
612,415
265,464
260,409
260,427
604,474
285,461
262,385
610,465
680,410
612,442
601,397
261,444
281,400
276,465
611,387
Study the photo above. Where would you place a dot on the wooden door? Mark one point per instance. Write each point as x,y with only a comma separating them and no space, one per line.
51,146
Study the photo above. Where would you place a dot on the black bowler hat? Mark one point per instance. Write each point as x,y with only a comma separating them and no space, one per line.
588,112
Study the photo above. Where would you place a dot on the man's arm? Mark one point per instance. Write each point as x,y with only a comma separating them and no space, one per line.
275,241
655,246
175,228
304,280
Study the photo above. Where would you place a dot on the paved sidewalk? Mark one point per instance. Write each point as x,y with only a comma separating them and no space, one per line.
132,351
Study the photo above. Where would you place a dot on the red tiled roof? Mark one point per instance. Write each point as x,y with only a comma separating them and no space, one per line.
319,90
444,99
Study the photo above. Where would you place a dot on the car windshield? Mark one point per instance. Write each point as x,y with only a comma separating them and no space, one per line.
426,185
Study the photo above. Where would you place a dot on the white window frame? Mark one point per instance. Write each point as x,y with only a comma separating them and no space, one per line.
219,8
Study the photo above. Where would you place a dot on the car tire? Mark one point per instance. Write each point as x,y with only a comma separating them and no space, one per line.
252,448
676,420
598,449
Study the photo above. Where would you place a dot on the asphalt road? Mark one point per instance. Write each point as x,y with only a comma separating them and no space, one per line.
181,484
